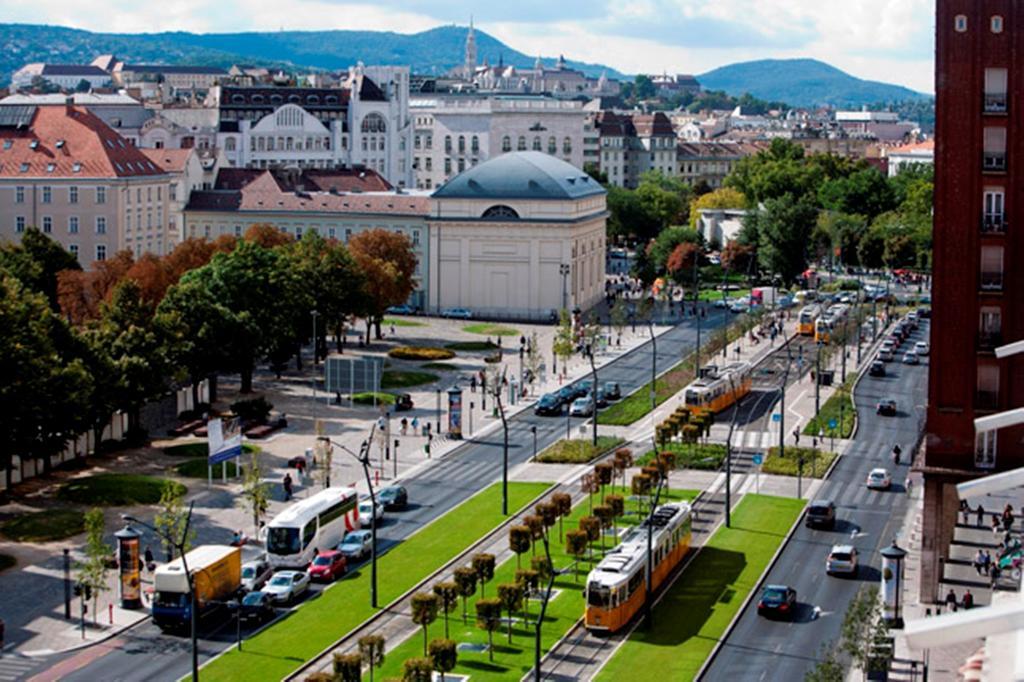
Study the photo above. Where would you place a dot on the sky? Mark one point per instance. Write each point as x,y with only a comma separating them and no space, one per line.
887,40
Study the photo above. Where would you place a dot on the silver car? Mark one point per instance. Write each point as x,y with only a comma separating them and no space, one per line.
255,574
285,586
582,407
842,560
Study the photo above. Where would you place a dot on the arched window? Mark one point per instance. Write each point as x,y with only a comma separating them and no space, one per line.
475,144
462,144
229,144
276,99
447,144
536,143
552,145
506,144
500,212
373,123
567,146
522,144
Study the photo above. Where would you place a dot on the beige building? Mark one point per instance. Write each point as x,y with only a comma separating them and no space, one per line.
188,170
66,172
519,236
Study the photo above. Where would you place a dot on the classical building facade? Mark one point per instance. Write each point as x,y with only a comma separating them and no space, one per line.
63,170
519,236
632,144
454,133
710,163
63,76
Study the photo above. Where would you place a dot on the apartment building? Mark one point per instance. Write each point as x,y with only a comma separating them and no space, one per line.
978,248
63,170
632,144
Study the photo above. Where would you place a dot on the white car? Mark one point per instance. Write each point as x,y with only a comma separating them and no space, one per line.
582,407
885,353
366,512
910,358
285,586
457,313
254,574
721,303
739,307
842,559
879,479
921,348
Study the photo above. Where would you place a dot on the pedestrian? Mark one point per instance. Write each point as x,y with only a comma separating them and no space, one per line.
1007,520
968,600
994,573
472,384
796,436
405,425
392,328
149,558
300,467
951,600
995,525
979,562
415,425
986,562
981,515
965,510
287,483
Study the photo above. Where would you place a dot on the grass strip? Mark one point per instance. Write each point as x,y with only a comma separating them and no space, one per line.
401,322
193,450
838,402
512,661
700,456
405,379
278,650
369,398
486,329
44,526
114,490
815,462
199,468
696,611
577,451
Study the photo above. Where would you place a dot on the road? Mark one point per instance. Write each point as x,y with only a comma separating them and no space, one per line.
758,649
143,653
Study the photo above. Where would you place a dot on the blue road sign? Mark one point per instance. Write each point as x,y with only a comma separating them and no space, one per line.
776,417
832,424
758,459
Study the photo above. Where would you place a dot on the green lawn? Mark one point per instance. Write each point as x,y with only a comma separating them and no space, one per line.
7,561
199,468
487,329
816,462
578,451
716,295
401,322
368,398
702,456
192,450
472,346
440,366
405,379
830,410
512,661
278,650
114,490
43,526
698,608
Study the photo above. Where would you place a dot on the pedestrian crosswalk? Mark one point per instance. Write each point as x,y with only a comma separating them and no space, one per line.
16,667
754,440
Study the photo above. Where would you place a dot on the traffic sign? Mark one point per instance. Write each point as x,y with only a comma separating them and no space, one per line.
832,424
776,417
758,459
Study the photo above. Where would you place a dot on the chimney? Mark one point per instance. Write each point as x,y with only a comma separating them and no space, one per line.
69,103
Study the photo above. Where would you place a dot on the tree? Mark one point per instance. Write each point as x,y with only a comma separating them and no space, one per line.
595,172
81,294
388,265
548,513
563,505
371,651
782,230
417,670
511,597
781,169
725,197
535,524
666,242
447,594
603,474
533,358
93,572
863,192
629,217
424,612
255,491
591,525
465,581
172,518
621,461
444,655
619,316
863,627
267,236
542,565
488,617
681,263
828,669
483,566
640,486
737,257
618,507
37,261
576,543
348,667
520,538
604,514
564,343
644,87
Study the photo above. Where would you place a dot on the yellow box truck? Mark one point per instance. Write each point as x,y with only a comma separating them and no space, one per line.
217,573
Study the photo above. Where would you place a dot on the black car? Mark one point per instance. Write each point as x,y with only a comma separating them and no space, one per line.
612,390
393,497
549,405
600,399
403,402
566,395
886,408
257,607
821,514
924,313
777,601
877,369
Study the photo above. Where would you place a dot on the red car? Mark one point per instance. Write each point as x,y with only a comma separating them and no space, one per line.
328,566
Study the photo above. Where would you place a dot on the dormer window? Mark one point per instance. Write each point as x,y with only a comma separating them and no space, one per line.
50,167
60,144
7,144
76,167
24,168
34,144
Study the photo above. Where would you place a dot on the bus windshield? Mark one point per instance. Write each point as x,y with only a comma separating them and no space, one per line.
283,541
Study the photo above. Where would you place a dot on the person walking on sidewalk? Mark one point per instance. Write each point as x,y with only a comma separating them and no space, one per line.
287,483
981,515
951,600
965,509
979,562
968,601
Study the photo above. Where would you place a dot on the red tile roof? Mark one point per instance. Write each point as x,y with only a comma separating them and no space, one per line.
69,142
171,160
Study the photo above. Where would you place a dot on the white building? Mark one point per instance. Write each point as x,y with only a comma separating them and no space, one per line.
456,132
721,225
64,76
908,155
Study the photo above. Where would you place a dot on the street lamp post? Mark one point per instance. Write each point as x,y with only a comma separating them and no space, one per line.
533,430
564,269
504,448
817,380
522,352
179,545
316,348
438,412
648,606
364,458
593,371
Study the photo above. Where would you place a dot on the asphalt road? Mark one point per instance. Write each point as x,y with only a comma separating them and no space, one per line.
759,649
143,653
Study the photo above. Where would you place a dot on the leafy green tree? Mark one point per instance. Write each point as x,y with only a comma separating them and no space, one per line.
725,197
443,655
511,597
483,565
488,617
348,667
864,192
519,541
447,594
619,317
629,217
465,580
255,496
171,519
666,243
371,651
424,612
774,172
644,87
388,265
36,262
595,172
828,669
666,205
782,231
839,232
576,543
863,626
564,343
93,571
417,670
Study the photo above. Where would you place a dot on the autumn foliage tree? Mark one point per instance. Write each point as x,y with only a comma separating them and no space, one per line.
388,264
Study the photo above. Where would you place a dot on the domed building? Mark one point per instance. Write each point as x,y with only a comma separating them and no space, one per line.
520,236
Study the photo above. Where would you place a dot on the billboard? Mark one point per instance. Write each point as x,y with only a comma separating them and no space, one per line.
348,376
225,438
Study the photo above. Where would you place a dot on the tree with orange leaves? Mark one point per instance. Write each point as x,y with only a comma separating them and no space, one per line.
80,294
267,235
388,264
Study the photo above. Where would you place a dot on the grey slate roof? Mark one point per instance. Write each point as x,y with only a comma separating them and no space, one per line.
521,175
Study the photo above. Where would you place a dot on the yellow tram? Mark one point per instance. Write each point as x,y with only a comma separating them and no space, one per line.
808,316
719,389
616,586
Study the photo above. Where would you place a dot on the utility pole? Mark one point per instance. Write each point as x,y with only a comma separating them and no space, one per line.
696,310
817,380
846,333
504,448
593,372
564,269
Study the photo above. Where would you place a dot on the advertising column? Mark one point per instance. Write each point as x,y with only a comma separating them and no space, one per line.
130,583
892,585
455,413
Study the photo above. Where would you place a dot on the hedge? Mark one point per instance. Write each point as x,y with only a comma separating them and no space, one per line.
421,353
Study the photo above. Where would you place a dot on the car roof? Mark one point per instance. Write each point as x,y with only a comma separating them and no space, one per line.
327,552
823,502
776,587
879,471
287,574
843,549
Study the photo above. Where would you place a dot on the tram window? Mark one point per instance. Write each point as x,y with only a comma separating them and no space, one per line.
598,595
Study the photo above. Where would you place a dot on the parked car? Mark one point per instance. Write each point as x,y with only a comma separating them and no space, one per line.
777,601
457,313
255,574
286,586
403,402
739,307
821,514
878,479
549,405
566,394
357,545
924,313
910,358
877,369
600,399
612,390
367,511
328,566
393,497
841,560
922,348
886,407
401,310
584,387
582,407
721,303
885,353
257,607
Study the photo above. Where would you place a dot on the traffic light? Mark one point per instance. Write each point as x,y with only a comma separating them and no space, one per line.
78,589
88,592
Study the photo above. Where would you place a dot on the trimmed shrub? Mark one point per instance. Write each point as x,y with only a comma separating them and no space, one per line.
421,353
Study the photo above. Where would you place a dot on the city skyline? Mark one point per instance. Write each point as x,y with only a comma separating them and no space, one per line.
652,37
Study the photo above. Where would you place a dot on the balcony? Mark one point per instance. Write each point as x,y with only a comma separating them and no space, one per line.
994,223
986,401
991,281
989,340
996,103
994,162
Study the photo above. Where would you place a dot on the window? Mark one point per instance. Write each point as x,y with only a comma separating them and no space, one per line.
101,195
960,23
567,146
101,224
19,195
229,144
447,144
47,194
536,143
128,222
373,123
985,449
506,144
73,249
475,145
462,165
995,91
73,224
47,224
994,219
138,195
992,268
500,212
72,195
101,252
552,145
987,397
19,224
990,328
521,144
997,24
994,156
415,238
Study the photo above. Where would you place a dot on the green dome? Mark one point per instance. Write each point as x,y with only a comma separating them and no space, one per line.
521,175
